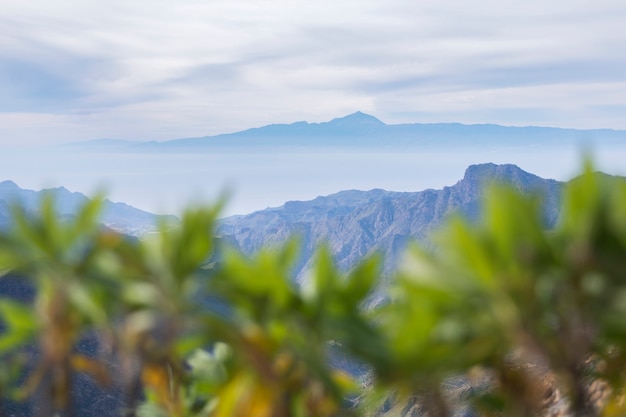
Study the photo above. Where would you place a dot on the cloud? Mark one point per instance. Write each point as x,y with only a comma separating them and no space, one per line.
162,69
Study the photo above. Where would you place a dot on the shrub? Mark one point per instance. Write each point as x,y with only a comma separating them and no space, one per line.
182,326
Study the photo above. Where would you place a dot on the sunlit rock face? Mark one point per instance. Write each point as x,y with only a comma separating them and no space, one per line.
358,223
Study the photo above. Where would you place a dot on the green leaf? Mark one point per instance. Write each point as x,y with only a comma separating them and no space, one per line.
21,325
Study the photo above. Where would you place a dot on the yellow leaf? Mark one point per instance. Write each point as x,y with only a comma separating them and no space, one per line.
92,367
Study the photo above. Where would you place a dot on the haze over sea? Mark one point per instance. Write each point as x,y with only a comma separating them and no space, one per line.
165,182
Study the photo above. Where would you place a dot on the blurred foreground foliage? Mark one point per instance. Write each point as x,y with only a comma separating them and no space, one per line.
185,326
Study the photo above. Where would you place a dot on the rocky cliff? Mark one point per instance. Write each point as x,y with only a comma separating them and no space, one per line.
358,223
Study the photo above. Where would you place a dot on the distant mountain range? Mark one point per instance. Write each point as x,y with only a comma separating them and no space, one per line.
358,223
352,223
363,130
117,216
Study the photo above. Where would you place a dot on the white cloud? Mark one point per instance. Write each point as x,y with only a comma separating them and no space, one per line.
162,69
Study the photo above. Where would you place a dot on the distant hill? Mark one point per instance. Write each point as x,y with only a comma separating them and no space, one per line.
117,216
358,223
359,130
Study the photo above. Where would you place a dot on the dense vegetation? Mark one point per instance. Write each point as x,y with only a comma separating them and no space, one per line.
177,324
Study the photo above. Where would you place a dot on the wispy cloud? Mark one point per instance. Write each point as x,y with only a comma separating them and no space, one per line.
72,70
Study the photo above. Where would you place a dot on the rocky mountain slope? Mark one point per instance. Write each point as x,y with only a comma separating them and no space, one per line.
352,223
357,223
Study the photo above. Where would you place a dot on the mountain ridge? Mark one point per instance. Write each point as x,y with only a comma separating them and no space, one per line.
354,224
115,215
364,130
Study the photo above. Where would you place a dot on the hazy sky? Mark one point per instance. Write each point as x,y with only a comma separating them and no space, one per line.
86,69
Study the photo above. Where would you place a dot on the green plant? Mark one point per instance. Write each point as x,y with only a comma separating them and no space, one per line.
187,327
508,297
189,334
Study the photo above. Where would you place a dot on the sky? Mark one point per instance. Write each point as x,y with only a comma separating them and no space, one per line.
75,70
